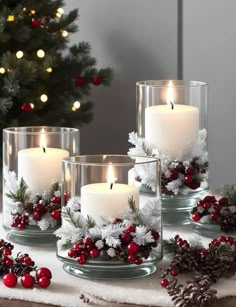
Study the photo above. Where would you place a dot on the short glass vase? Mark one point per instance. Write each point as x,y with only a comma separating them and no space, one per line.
171,126
32,158
110,229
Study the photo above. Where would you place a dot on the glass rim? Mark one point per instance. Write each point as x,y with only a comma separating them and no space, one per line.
24,131
176,83
71,160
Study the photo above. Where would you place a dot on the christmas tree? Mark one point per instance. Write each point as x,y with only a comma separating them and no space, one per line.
42,80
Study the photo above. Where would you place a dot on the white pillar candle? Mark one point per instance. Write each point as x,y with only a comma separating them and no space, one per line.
40,169
98,199
40,166
172,128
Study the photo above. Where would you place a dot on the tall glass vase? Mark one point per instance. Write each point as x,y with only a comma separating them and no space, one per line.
172,120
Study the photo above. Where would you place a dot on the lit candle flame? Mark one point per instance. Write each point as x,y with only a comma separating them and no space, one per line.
43,140
170,94
111,179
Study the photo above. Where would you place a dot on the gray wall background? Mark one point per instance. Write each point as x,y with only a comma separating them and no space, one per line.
139,39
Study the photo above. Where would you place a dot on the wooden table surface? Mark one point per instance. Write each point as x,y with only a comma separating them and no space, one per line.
225,302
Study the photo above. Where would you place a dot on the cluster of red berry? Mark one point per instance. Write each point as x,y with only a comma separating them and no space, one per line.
209,206
191,175
37,210
81,81
129,250
21,266
174,268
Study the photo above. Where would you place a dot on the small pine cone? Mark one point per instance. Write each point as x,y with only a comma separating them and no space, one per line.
227,221
28,207
51,207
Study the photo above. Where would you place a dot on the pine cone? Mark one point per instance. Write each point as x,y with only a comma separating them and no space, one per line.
28,207
51,207
227,221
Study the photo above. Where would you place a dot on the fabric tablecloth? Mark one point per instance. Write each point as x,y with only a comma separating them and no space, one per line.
66,289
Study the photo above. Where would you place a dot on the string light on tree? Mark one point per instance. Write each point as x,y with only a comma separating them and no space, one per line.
32,105
10,18
49,69
19,54
32,12
64,33
2,70
59,12
76,105
40,53
44,98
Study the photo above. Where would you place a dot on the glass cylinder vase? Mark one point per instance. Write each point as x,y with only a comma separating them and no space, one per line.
172,119
32,162
110,227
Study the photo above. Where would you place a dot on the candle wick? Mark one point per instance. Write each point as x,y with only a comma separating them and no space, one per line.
44,149
172,105
111,186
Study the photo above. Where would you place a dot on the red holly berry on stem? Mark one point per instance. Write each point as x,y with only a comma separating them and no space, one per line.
173,272
188,180
196,216
131,258
27,281
223,201
26,107
164,283
217,207
88,241
36,216
40,208
79,81
96,80
200,203
72,253
56,215
94,253
155,234
81,259
126,237
7,252
194,185
9,262
56,200
133,248
214,216
21,226
10,280
138,261
44,282
206,206
222,239
204,252
189,171
117,220
230,240
43,272
209,199
130,228
174,174
35,22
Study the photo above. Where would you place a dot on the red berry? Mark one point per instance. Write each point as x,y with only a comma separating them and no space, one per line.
214,216
56,215
27,281
131,258
44,282
126,237
217,207
7,252
10,280
96,80
40,208
200,203
230,240
21,226
77,247
189,171
130,228
206,206
27,260
37,216
217,243
188,180
209,199
196,216
9,262
66,196
204,252
138,261
223,201
26,107
173,174
90,247
173,272
164,283
43,272
133,248
94,253
117,220
35,22
88,241
72,253
187,245
79,81
81,259
222,239
194,185
56,200
155,234
85,252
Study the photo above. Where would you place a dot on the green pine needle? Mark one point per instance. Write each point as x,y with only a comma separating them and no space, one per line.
20,195
229,191
90,222
135,212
